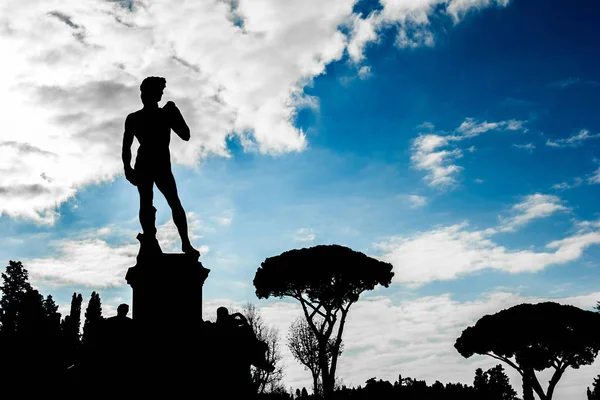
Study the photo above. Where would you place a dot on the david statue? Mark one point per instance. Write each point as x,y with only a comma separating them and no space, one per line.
152,126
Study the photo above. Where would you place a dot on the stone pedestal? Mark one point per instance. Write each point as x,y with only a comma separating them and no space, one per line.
167,316
167,285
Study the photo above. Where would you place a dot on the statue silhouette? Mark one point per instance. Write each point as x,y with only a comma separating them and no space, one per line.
233,349
236,326
118,331
151,126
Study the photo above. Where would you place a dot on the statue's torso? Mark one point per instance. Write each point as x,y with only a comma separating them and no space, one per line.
153,132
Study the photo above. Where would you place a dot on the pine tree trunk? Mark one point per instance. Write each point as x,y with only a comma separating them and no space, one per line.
527,388
315,384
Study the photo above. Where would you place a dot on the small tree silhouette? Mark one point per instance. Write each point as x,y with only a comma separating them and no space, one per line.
304,393
70,327
93,319
51,313
326,280
594,394
533,337
493,384
29,335
480,382
15,285
304,346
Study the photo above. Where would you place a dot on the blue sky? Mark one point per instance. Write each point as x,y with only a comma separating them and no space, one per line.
457,148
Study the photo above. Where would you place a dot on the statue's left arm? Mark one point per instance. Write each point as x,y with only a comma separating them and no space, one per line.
176,121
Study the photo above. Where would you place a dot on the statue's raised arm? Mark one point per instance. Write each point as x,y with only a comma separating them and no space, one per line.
176,120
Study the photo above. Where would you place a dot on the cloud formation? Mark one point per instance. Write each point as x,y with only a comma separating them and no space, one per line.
572,141
417,201
449,252
304,235
440,164
527,146
71,74
532,207
412,19
565,185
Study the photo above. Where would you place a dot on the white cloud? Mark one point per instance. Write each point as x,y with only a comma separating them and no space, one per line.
584,225
417,201
479,180
413,37
426,125
595,178
527,146
364,72
430,142
449,252
412,20
514,125
88,262
565,185
591,179
304,235
573,141
363,32
458,8
225,219
532,207
440,164
471,128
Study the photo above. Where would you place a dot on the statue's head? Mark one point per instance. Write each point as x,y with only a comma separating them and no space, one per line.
122,310
222,313
152,89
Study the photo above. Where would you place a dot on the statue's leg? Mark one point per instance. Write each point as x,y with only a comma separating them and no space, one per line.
165,182
147,210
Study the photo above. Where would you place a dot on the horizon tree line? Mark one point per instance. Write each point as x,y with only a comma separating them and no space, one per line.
326,280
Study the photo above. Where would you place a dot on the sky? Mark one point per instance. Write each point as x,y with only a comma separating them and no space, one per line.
456,139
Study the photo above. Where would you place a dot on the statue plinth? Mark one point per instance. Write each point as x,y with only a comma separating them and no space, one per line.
167,315
167,286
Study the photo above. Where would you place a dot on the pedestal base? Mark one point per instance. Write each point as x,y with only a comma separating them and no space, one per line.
167,285
167,315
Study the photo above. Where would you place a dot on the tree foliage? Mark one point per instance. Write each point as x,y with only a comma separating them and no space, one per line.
533,337
29,333
70,327
15,286
93,319
494,384
74,325
326,280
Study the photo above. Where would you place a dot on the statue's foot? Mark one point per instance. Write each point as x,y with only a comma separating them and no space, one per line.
190,251
148,245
